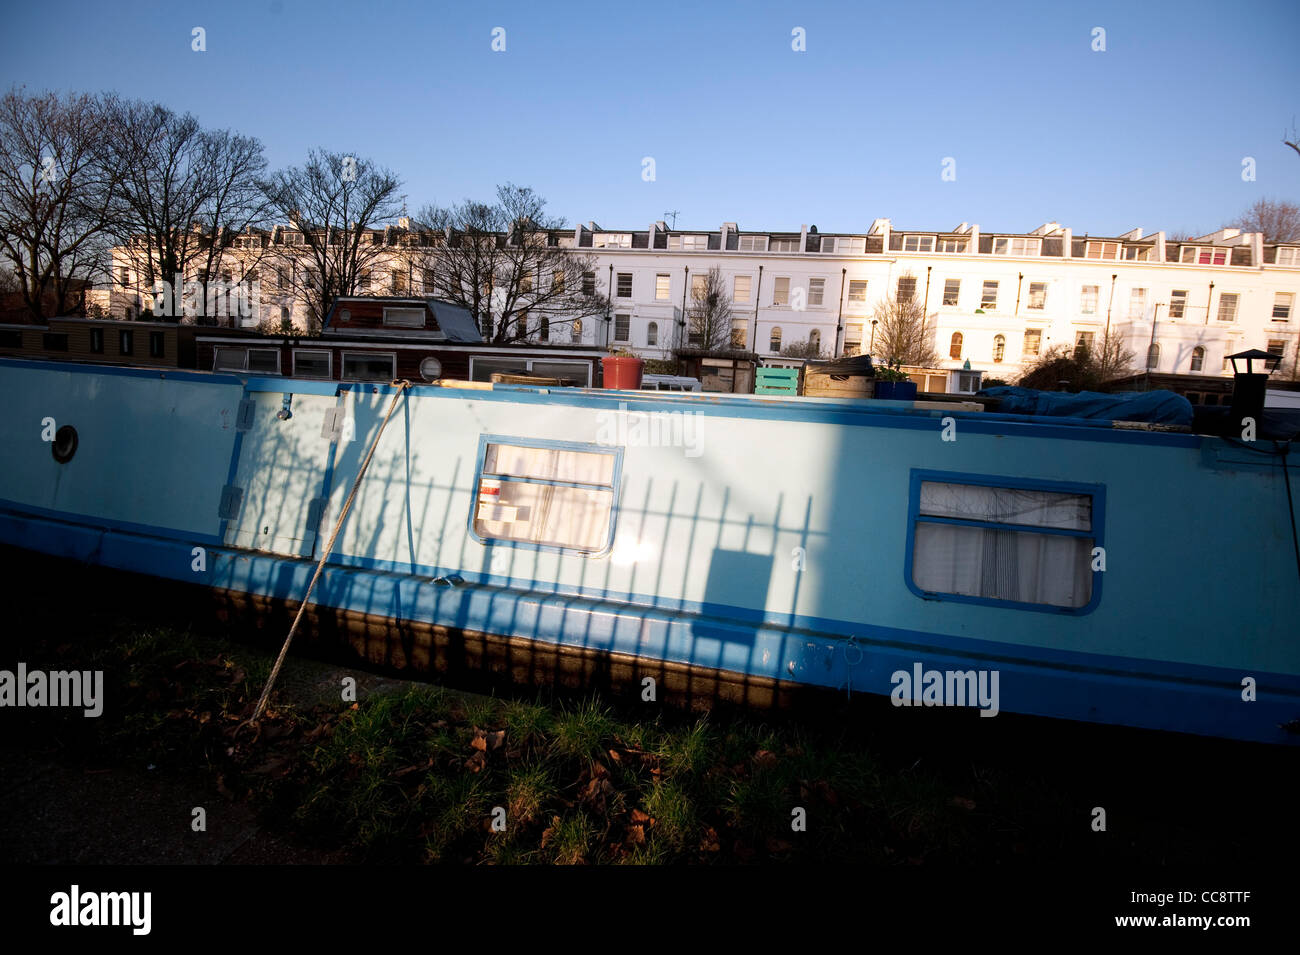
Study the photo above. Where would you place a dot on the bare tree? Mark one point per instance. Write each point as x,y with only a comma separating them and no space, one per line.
334,204
809,349
54,196
1111,358
1292,139
708,323
903,333
186,194
502,262
1278,220
1081,368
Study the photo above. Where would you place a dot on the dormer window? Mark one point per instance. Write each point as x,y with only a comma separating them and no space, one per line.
783,245
752,243
404,317
1016,246
1137,253
1288,256
952,245
1102,250
844,244
1203,255
612,240
688,243
918,243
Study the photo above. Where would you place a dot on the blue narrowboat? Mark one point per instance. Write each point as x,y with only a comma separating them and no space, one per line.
1071,568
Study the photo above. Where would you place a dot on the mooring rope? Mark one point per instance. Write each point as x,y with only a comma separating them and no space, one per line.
338,525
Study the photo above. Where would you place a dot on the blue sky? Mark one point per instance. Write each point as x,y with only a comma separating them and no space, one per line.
1151,132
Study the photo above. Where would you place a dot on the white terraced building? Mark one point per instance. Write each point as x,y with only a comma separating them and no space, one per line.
995,300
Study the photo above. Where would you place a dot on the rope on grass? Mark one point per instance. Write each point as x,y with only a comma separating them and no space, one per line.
320,566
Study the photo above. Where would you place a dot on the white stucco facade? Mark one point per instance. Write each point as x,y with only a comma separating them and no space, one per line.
1009,297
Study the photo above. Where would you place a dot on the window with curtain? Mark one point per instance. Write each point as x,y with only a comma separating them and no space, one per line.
549,496
1000,543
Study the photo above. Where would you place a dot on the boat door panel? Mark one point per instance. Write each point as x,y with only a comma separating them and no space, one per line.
281,471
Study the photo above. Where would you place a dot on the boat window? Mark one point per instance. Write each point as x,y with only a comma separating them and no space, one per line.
548,496
1018,545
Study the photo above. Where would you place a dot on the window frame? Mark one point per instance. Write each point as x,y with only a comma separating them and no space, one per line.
776,280
1097,533
616,451
1026,243
345,355
664,284
618,284
397,311
956,294
984,294
922,243
1236,304
329,358
697,243
1178,300
1289,306
749,289
817,297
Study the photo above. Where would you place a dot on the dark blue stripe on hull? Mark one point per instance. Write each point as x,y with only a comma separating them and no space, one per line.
1134,692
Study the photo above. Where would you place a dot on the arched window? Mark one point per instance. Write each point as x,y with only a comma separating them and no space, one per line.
521,325
999,347
815,339
575,332
1198,358
544,329
286,322
1153,356
775,343
652,334
954,349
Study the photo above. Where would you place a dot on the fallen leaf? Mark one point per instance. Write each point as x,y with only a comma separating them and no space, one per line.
640,817
764,758
476,763
710,841
496,740
636,835
479,743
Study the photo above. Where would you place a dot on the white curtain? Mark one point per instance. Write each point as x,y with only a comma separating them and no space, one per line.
1004,564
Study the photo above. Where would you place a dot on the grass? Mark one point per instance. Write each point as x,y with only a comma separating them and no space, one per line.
417,773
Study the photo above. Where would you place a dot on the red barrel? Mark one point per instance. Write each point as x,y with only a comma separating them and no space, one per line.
622,373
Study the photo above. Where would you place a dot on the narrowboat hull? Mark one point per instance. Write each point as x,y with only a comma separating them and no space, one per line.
771,542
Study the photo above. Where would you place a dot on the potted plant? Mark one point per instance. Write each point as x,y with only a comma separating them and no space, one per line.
622,369
892,382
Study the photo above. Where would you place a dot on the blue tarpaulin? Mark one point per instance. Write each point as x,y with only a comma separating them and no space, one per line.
1155,407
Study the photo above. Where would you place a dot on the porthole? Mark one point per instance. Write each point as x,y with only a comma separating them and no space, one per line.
64,445
431,369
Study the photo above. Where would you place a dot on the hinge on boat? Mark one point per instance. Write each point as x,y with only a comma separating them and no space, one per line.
244,420
315,512
231,499
332,428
